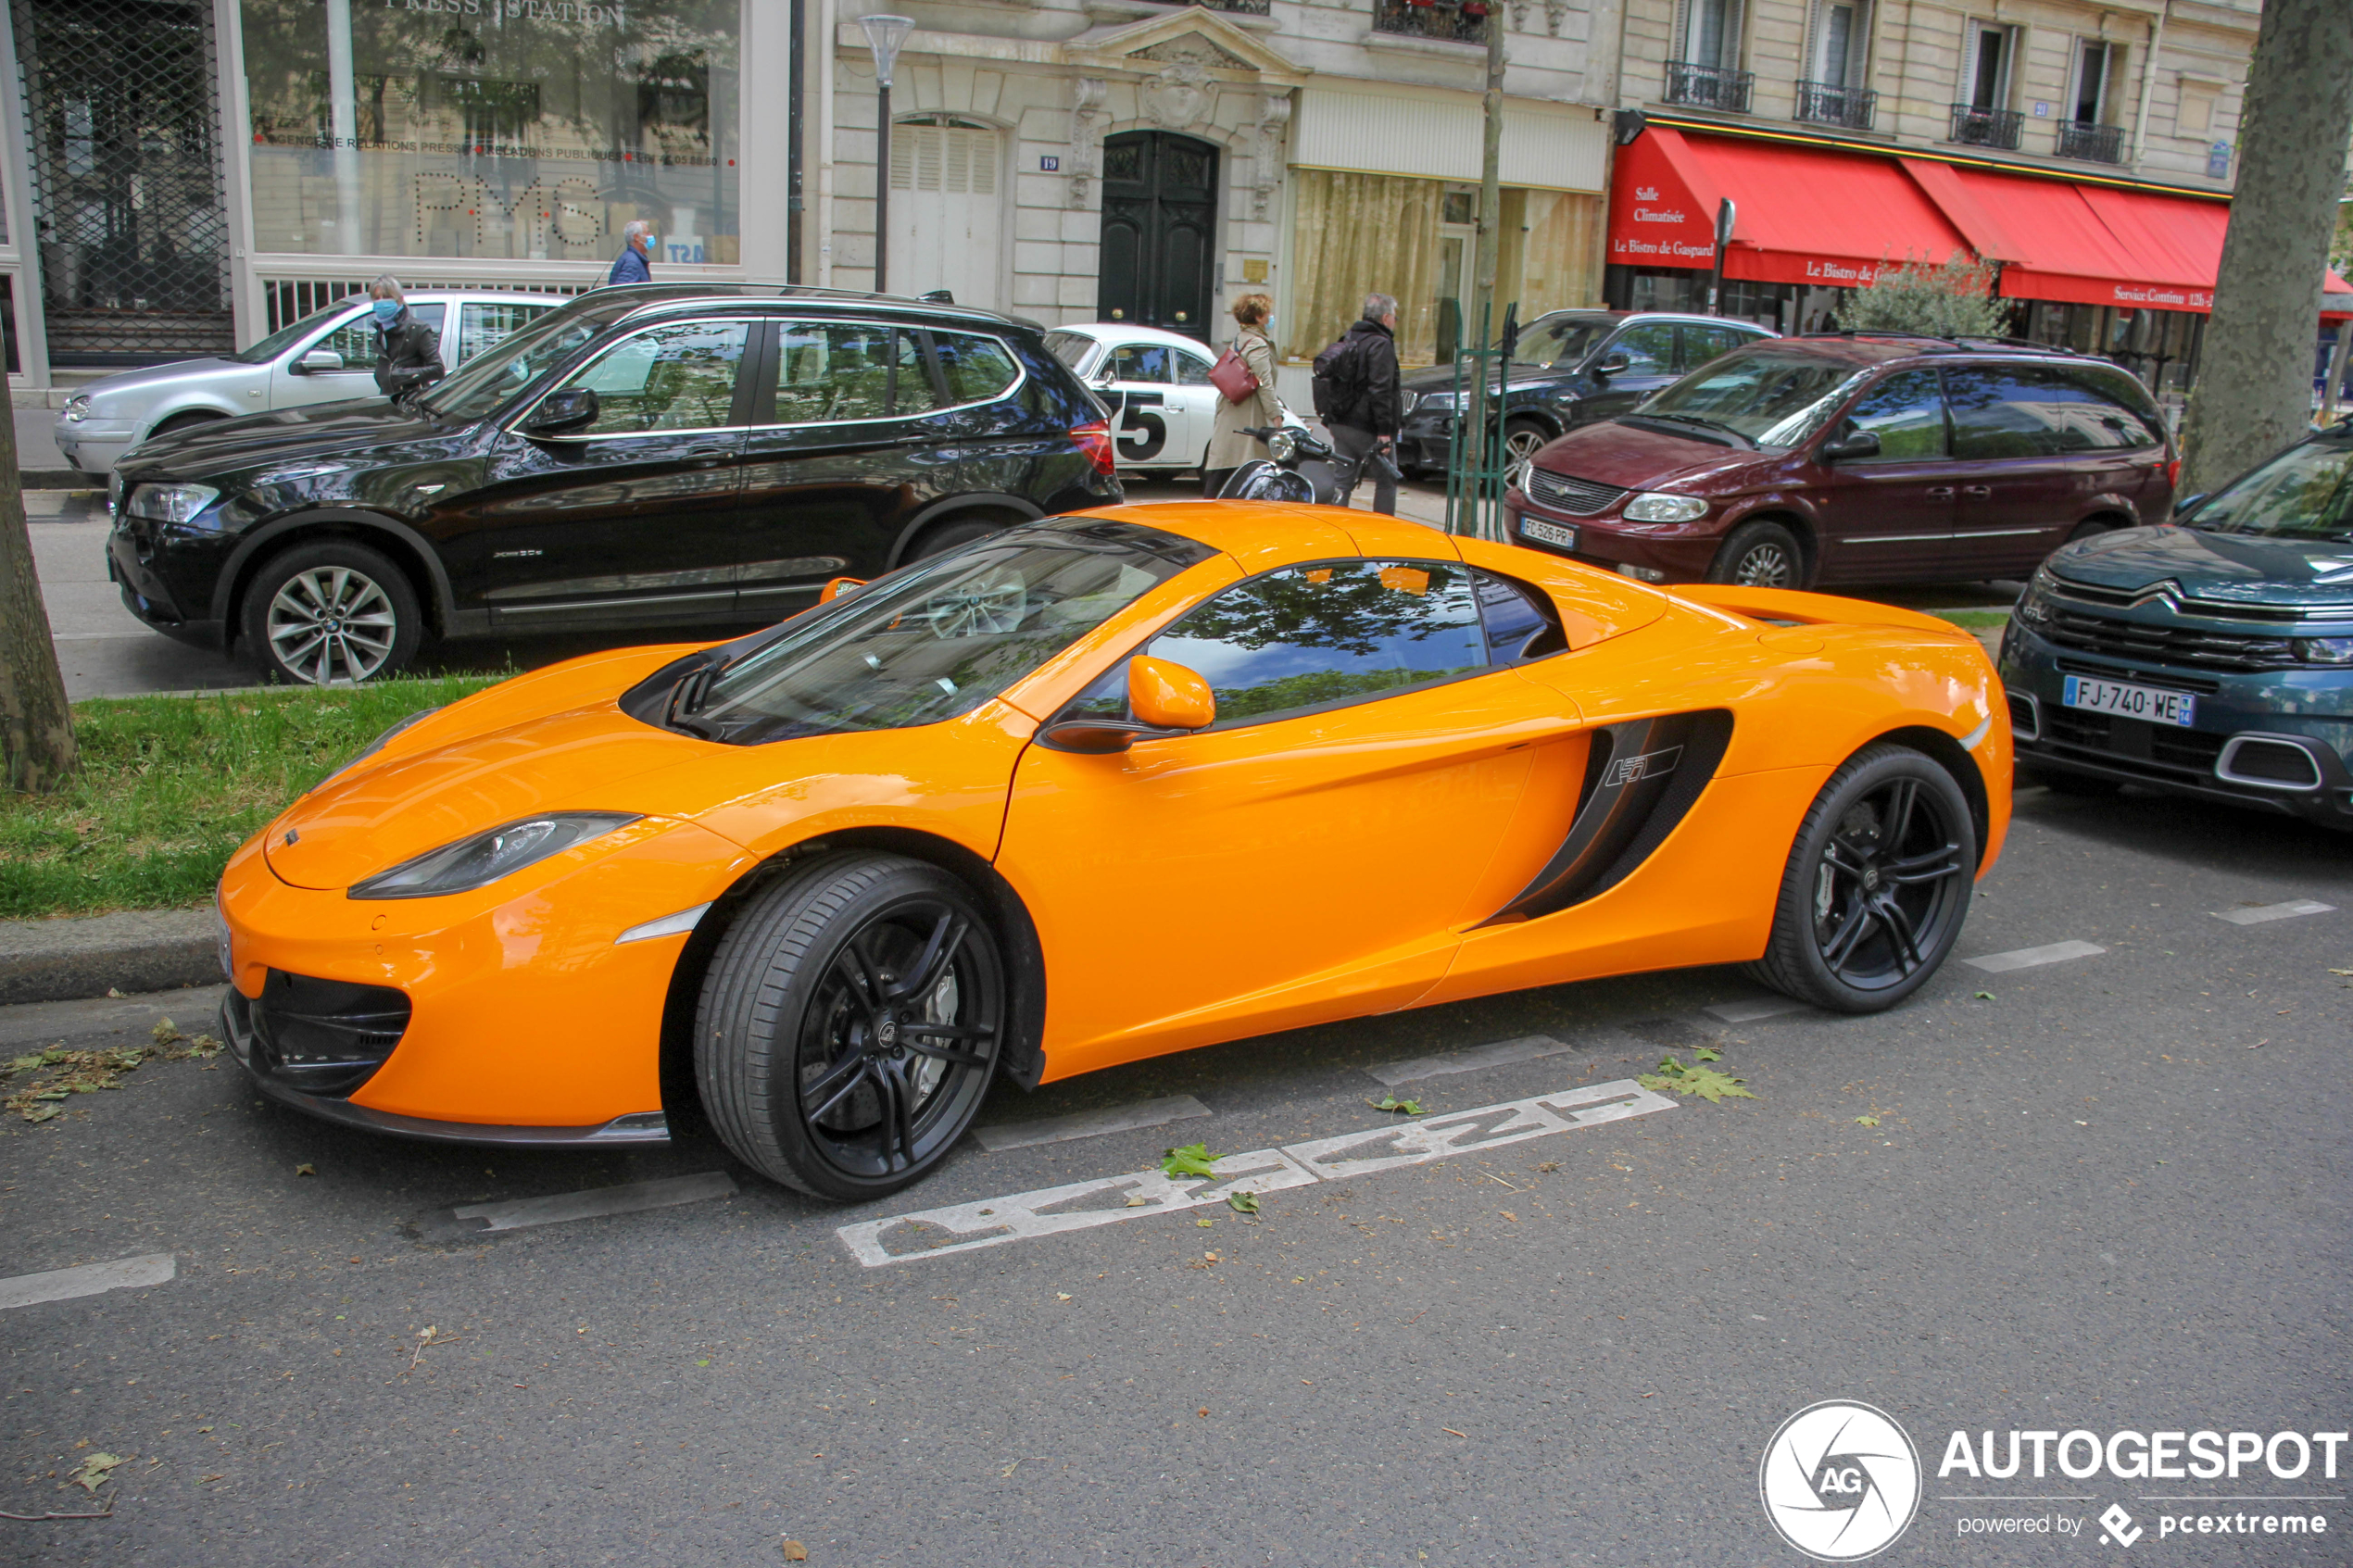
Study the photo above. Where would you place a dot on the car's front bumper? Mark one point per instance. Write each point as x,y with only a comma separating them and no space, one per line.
2310,711
1678,552
93,446
526,1020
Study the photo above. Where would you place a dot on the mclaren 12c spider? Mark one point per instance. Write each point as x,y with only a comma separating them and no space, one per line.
1083,792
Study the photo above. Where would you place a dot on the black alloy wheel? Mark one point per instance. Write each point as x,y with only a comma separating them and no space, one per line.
1760,555
1877,886
849,1024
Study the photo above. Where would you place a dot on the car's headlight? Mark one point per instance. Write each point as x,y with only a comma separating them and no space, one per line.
1654,505
482,859
1407,403
78,406
172,503
1434,402
1281,445
2324,650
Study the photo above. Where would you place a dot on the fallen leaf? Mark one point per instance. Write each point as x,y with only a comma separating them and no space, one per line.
1204,1224
1391,1103
1061,1295
1985,996
306,1169
1193,1159
1205,1413
1450,1432
795,1552
1707,1053
91,1473
1139,1203
1673,1077
1242,1202
1508,1215
1867,1120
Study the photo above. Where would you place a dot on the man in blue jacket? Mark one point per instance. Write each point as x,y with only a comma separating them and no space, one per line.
630,267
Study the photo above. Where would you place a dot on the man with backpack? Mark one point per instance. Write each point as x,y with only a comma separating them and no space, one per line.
1357,393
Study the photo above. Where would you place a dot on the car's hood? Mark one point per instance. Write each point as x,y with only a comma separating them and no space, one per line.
1646,457
2236,569
224,445
149,377
1440,378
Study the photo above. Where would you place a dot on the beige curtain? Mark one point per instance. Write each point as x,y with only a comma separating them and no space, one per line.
1356,234
1552,243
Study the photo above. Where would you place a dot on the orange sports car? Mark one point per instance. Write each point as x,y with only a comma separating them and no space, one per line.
1089,790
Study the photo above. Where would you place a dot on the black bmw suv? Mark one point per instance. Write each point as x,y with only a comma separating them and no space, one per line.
649,455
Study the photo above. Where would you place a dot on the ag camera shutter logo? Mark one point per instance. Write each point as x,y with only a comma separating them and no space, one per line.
1840,1481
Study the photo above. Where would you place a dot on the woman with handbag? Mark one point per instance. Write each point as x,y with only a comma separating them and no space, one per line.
1247,368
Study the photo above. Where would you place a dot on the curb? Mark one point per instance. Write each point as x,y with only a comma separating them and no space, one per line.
57,960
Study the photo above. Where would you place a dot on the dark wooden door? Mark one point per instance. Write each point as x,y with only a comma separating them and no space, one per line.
1159,217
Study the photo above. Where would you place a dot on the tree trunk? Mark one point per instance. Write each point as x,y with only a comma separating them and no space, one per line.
36,727
2254,384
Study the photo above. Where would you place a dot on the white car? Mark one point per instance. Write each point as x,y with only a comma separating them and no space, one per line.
327,355
1164,408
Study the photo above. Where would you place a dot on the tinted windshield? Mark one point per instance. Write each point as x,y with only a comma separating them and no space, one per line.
277,342
1775,399
1069,348
488,379
2305,493
1560,340
941,638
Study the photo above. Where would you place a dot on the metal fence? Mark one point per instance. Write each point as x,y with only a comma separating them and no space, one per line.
2096,143
1461,21
1974,127
1710,87
1849,106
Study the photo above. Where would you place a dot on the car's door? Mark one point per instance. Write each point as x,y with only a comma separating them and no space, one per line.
1886,516
2052,446
2016,477
1192,404
1318,849
1137,378
1648,348
846,448
632,519
487,323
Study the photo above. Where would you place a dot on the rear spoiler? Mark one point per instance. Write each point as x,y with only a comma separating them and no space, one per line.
1790,607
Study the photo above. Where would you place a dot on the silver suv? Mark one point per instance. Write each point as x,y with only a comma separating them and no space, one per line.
327,355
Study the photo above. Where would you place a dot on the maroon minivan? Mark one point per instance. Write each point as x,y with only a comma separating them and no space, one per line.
1851,458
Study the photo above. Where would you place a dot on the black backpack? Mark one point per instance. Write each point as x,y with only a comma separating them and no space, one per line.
1339,381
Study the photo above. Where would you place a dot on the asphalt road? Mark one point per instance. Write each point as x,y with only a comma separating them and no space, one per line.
2102,1193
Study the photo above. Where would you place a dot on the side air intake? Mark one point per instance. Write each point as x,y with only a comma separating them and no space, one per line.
1642,777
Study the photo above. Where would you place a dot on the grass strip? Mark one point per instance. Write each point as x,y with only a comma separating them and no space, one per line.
171,785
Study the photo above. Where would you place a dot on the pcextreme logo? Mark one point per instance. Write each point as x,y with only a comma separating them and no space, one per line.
1840,1481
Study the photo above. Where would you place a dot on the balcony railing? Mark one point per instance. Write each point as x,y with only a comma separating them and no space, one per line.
1974,127
1709,87
2097,144
1458,21
1850,106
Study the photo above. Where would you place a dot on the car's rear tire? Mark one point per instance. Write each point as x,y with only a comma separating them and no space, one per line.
1760,555
330,612
849,1024
1877,885
953,535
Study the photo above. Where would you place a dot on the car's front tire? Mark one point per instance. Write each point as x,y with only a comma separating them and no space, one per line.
331,613
1760,555
849,1024
1877,886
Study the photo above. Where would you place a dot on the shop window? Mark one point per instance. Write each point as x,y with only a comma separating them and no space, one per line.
679,377
528,131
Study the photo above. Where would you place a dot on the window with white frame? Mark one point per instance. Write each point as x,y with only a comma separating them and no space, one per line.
2097,64
1708,34
1841,43
1986,84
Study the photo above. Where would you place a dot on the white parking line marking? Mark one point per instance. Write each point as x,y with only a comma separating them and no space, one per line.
2027,957
1749,1012
63,1285
1090,1123
1528,1047
2288,911
597,1201
992,1222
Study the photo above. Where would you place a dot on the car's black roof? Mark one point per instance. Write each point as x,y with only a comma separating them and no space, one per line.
645,299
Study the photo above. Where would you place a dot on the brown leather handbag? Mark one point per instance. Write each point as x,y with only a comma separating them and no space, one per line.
1233,376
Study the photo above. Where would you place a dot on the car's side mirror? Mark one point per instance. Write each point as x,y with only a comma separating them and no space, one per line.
1854,443
2188,504
575,407
1613,364
1167,699
317,361
1107,376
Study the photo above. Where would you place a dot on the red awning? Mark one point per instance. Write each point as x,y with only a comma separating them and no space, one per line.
1831,217
1803,215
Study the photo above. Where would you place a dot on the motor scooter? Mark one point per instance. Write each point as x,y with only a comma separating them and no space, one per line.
1300,466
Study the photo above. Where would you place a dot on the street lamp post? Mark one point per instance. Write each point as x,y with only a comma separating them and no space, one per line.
885,34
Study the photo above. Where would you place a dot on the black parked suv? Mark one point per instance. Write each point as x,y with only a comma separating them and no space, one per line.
1569,369
648,456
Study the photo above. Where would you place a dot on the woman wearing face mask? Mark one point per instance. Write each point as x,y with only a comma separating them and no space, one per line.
407,352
